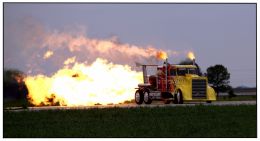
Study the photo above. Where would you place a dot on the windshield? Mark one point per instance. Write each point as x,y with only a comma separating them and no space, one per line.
172,72
183,71
192,71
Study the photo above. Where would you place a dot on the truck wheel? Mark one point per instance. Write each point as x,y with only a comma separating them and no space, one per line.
166,97
147,98
139,97
208,101
178,98
167,101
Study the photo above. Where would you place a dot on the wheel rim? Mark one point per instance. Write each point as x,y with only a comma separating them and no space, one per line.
146,96
137,96
178,97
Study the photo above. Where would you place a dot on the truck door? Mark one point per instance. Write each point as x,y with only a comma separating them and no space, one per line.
172,74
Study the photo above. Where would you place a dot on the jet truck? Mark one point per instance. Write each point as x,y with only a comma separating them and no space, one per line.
174,83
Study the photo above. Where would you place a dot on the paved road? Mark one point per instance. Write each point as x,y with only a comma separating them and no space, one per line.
239,93
132,105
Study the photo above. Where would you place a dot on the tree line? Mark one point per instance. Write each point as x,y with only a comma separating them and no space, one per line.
14,85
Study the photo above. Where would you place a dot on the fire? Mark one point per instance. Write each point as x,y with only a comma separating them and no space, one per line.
69,60
77,83
48,54
191,55
101,82
161,55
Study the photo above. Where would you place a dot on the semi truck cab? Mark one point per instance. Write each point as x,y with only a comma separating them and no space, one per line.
177,83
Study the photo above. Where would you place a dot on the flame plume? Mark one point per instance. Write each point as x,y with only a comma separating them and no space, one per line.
48,54
191,55
161,55
101,82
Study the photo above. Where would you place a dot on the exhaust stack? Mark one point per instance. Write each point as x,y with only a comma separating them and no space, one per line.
193,61
145,74
166,75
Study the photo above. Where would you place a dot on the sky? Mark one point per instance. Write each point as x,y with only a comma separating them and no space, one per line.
217,34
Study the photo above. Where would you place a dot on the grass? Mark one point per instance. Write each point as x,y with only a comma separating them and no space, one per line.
197,121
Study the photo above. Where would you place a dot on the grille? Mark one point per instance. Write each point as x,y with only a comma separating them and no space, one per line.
199,88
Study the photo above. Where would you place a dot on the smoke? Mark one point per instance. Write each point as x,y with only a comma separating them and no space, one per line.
111,49
39,49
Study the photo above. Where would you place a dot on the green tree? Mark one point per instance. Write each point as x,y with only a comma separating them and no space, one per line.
231,93
218,76
14,85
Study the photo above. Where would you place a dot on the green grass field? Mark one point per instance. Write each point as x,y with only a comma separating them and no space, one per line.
197,121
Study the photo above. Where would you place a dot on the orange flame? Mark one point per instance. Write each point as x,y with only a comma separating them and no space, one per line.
191,55
48,54
101,82
69,60
161,55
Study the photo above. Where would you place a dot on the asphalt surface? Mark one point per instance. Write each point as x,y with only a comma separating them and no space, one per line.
131,105
239,93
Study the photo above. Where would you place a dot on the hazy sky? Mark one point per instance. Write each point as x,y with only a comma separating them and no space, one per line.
217,33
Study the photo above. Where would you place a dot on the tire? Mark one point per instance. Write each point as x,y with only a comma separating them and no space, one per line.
139,97
178,99
167,101
208,101
166,97
147,98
